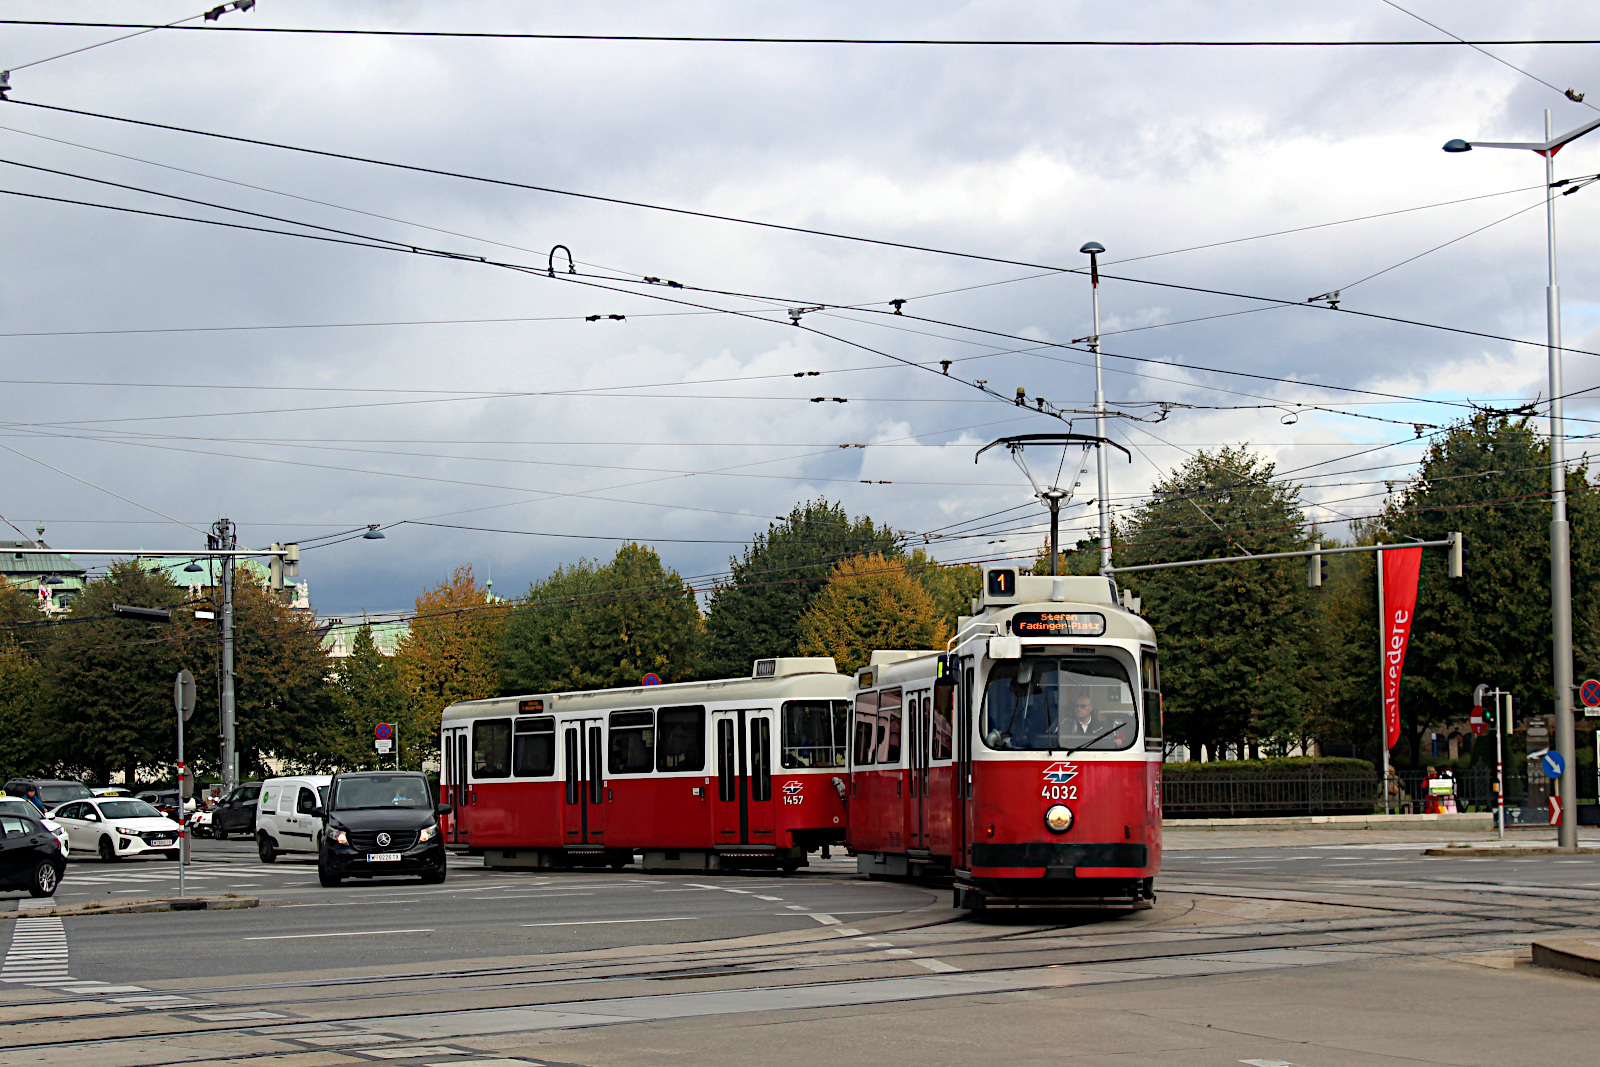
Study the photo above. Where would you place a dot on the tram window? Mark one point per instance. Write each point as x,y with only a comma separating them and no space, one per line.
889,726
760,758
491,748
943,703
866,735
633,742
814,733
681,739
533,749
1150,677
1039,703
574,765
727,761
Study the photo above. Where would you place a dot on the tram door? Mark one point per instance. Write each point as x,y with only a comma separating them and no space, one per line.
960,830
919,723
743,811
583,754
453,746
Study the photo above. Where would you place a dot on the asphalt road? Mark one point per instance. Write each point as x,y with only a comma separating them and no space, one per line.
1262,949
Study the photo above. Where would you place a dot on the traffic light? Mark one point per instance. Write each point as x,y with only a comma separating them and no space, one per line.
1456,553
1316,569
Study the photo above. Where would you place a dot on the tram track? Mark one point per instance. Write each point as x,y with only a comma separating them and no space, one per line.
1348,936
287,1027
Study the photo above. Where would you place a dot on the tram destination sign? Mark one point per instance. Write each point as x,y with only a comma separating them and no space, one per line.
1058,624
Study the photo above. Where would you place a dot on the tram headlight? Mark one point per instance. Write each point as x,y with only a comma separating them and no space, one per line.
1058,820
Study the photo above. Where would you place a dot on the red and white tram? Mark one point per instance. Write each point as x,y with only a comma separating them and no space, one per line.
745,772
1025,760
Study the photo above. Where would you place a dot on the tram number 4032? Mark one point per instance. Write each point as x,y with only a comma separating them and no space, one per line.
1060,792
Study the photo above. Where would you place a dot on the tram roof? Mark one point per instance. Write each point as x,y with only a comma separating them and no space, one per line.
795,678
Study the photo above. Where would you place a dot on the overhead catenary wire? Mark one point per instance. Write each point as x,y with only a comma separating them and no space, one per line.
783,227
962,42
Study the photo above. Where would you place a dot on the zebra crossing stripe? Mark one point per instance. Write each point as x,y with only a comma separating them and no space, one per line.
38,957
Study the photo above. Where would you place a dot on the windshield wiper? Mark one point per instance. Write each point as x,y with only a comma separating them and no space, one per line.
1099,737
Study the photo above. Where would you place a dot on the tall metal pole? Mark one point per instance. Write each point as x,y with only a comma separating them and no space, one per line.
230,755
1054,503
1383,664
183,811
1103,477
1560,534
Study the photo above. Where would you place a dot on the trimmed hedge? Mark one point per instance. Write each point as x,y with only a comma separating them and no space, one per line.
1291,768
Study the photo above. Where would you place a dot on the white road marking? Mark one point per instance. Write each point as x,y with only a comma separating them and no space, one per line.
939,966
38,951
760,897
613,922
340,933
825,920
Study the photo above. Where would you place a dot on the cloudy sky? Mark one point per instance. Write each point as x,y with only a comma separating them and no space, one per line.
161,373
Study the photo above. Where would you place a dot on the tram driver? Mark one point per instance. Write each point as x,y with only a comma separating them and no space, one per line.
1083,722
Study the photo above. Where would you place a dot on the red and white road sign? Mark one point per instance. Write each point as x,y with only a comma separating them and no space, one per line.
1555,811
1479,727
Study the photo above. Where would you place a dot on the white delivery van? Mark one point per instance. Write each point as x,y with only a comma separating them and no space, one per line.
285,815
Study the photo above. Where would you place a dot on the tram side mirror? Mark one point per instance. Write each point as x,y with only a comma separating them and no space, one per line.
1005,648
945,673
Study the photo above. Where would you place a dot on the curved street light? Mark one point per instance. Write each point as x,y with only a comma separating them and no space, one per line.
1560,532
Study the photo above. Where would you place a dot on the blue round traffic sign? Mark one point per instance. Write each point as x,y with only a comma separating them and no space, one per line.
1589,693
652,679
1554,765
383,731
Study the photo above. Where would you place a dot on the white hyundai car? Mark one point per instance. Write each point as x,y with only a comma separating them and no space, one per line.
115,828
19,806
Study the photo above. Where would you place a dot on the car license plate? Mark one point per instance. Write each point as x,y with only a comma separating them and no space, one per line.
159,842
383,857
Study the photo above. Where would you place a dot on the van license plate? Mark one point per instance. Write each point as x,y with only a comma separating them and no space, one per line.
383,857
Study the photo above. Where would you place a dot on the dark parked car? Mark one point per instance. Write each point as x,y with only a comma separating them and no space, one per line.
30,856
164,801
52,792
381,822
236,812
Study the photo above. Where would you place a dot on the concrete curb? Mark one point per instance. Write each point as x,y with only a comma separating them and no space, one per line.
127,907
1508,850
1569,954
1464,821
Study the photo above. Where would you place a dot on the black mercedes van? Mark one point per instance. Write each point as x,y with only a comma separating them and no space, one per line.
381,823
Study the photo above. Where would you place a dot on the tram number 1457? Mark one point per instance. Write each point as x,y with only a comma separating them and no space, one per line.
1060,792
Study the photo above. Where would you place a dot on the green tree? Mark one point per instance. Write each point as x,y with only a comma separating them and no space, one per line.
23,748
107,697
1237,640
283,703
756,613
367,689
589,626
450,653
952,588
870,602
1489,477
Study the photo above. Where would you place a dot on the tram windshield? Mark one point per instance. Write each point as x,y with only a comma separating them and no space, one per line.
1042,703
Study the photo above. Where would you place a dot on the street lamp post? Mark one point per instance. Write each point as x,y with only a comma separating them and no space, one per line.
1560,532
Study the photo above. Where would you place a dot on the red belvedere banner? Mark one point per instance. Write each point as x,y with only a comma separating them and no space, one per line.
1401,568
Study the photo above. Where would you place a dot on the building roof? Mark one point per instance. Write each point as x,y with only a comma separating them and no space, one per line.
19,565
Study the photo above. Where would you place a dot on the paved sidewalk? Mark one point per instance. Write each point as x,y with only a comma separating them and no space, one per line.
1184,840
